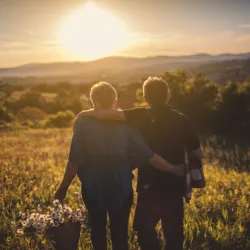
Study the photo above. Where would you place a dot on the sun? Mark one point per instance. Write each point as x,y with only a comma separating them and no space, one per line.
91,33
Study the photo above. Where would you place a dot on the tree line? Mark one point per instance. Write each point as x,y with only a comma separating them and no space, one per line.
213,108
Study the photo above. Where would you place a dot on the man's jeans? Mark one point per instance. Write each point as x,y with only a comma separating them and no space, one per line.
118,225
153,207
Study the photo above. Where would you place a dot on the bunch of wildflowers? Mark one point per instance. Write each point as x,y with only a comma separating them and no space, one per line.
59,214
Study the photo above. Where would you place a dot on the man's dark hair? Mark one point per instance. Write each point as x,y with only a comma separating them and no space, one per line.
156,90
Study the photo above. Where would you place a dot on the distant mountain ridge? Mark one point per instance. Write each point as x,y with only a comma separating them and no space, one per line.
111,67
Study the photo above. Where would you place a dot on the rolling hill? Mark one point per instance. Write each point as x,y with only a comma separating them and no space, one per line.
125,68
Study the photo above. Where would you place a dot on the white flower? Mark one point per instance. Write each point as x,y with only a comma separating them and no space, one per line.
39,209
42,218
28,224
54,215
56,203
67,210
39,225
24,223
32,216
19,231
47,217
61,220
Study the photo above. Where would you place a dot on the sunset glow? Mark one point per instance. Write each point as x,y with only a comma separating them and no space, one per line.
82,30
92,32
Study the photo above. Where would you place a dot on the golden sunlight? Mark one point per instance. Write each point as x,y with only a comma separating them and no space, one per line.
91,33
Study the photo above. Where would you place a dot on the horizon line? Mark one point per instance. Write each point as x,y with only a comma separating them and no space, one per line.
122,56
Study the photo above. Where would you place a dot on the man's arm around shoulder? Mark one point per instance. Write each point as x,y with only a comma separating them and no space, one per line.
102,114
128,115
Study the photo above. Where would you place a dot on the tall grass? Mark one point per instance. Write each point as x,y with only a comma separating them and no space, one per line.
32,164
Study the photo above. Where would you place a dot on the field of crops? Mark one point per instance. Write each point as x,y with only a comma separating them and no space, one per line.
32,164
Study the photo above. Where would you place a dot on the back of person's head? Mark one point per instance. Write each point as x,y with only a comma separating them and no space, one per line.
103,95
156,91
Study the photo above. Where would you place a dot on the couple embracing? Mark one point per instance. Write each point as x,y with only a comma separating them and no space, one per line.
108,144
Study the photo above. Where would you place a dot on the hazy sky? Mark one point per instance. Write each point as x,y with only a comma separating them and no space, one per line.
29,28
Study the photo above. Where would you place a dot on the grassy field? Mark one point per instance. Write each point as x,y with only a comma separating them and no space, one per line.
32,164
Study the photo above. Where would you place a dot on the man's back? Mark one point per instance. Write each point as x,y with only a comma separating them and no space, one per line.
169,134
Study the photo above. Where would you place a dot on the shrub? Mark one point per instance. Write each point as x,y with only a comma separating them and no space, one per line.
59,120
31,99
5,115
30,114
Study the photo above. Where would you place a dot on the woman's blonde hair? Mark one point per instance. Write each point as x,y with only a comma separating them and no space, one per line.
104,94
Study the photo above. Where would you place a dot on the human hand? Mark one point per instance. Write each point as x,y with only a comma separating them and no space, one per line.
178,170
60,194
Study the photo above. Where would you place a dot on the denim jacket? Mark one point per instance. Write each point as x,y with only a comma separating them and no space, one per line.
106,152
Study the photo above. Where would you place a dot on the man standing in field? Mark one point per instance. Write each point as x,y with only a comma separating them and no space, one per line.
100,154
160,195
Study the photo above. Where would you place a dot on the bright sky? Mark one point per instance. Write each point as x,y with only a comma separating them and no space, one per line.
60,30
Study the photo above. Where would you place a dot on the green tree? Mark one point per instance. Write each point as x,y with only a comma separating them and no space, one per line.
59,120
31,99
5,114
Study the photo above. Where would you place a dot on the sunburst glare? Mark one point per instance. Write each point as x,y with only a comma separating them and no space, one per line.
92,32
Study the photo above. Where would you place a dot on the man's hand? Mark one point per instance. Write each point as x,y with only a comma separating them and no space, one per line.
178,170
60,194
161,164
